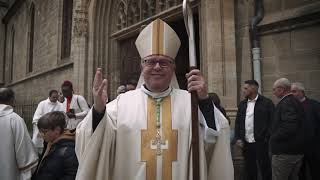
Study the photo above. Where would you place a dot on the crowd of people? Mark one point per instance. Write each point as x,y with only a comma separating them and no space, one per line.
279,142
145,133
50,154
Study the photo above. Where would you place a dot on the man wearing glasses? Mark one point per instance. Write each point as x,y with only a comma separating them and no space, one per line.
59,160
145,134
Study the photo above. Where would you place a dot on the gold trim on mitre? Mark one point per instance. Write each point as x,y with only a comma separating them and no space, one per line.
158,38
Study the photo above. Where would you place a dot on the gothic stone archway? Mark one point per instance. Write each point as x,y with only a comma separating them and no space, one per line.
127,20
114,21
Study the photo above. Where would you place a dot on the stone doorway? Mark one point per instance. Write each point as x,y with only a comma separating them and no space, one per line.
130,59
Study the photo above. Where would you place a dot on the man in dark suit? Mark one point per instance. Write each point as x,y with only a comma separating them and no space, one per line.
312,132
252,131
287,136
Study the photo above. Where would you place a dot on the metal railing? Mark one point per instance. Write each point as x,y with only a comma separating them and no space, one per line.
26,111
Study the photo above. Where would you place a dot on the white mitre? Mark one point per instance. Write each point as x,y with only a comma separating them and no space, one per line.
158,38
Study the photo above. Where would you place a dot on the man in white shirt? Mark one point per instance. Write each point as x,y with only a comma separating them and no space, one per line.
74,105
44,107
252,131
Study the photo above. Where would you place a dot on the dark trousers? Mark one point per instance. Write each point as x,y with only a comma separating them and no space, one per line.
257,161
286,166
310,169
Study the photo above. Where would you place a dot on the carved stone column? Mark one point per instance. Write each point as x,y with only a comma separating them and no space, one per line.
219,51
79,47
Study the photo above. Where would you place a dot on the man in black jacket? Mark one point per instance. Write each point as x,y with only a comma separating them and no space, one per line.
286,141
312,132
252,131
59,160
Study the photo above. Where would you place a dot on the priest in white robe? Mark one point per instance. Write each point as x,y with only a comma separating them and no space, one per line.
17,154
44,107
145,134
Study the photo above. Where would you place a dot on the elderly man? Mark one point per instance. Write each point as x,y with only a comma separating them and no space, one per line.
312,131
44,107
17,154
121,89
287,135
145,134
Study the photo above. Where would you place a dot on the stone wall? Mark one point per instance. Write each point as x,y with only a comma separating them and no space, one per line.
294,55
37,88
243,11
46,34
49,70
219,53
2,38
16,27
289,34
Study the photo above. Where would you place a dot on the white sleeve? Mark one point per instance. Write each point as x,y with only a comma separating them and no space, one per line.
209,133
26,156
85,134
38,113
27,174
83,106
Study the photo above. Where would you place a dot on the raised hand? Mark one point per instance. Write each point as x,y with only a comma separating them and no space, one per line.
99,91
196,83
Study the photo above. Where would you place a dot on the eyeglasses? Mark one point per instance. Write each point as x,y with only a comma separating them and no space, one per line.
162,63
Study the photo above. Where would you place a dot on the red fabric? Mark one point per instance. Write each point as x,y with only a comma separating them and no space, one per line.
304,104
68,103
67,83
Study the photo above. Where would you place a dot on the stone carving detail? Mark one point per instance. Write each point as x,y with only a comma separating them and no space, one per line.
131,12
122,16
81,23
149,8
134,13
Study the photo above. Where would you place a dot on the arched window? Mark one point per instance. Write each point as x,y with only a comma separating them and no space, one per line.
133,11
11,54
66,28
31,39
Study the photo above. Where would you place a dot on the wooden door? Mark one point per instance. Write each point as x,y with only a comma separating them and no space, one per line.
130,59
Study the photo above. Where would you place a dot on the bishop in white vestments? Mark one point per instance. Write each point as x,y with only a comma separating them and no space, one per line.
145,134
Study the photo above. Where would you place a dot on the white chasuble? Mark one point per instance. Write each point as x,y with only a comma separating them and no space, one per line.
17,154
140,138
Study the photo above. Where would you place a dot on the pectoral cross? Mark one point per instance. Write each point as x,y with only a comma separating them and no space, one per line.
159,148
158,144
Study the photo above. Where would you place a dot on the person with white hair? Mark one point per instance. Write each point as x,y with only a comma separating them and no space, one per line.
287,134
312,132
121,89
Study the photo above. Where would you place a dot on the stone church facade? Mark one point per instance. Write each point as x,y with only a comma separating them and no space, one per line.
44,42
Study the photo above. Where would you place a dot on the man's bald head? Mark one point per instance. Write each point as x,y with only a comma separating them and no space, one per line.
284,83
281,87
6,96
